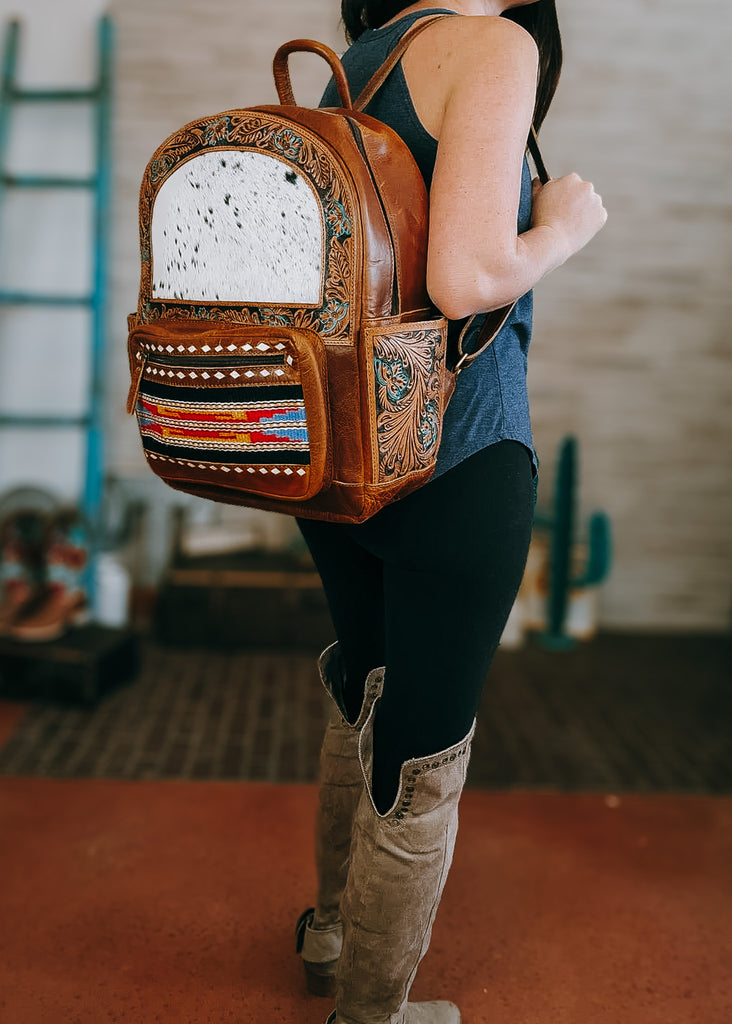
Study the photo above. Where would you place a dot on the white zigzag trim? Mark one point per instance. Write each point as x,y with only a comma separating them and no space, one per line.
286,470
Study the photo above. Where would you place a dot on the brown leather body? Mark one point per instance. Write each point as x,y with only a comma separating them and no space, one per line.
378,348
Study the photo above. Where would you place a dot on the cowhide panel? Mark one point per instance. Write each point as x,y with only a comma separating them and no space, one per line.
234,226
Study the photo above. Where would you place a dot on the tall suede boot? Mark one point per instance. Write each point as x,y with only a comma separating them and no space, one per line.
319,929
399,864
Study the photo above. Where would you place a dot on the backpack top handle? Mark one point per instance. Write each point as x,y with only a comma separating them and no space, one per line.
281,69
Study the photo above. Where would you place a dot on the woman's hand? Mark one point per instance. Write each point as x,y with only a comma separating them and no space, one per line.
571,207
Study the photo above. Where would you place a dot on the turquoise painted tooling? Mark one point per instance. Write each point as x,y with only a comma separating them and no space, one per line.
560,522
99,96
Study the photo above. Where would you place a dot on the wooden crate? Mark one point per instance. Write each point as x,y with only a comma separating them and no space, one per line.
246,600
81,666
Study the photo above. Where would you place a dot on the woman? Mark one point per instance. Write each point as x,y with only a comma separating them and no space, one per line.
420,593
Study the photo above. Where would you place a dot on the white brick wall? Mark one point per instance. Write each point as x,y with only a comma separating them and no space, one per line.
632,344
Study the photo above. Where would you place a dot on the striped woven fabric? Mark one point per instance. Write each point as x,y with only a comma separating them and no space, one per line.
229,429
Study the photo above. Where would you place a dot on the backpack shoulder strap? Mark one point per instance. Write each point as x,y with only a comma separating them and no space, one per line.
381,74
496,319
536,157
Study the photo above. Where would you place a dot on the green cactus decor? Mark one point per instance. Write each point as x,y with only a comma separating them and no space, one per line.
560,522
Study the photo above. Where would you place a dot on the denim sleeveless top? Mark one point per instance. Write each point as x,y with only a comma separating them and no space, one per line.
490,402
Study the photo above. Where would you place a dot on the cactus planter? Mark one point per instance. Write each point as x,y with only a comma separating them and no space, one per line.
560,523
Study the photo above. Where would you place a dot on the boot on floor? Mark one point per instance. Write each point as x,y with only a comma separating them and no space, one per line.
398,868
21,565
319,929
61,601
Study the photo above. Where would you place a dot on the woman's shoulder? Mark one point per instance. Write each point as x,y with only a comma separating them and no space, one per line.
463,38
460,63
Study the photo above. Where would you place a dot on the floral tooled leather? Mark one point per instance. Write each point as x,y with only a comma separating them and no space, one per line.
408,383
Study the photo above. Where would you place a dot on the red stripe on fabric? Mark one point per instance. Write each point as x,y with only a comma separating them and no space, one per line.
242,437
217,416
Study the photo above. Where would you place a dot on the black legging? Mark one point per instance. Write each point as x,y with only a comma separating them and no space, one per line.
424,588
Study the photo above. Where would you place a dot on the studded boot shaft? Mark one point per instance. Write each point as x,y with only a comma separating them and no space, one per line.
320,933
398,868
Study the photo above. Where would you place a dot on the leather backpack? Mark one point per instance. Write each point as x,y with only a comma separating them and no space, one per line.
285,354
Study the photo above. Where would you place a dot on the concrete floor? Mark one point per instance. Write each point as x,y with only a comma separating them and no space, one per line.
166,900
175,902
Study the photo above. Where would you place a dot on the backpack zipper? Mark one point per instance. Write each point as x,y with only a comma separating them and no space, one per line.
358,139
230,360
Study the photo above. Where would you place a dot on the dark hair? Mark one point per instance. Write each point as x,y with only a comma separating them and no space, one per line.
539,19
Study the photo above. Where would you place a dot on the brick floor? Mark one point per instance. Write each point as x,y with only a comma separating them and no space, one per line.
625,713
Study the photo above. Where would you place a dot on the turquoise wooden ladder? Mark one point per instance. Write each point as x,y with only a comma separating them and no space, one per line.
99,96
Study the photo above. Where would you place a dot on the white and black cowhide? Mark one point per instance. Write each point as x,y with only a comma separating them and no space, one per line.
233,226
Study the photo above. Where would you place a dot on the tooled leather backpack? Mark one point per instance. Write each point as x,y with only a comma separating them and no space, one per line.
285,354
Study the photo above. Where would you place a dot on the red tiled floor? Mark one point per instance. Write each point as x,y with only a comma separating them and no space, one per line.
174,903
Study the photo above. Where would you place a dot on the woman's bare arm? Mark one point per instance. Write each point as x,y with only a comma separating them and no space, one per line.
487,79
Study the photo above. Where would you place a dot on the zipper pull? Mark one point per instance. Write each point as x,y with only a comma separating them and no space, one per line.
140,359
